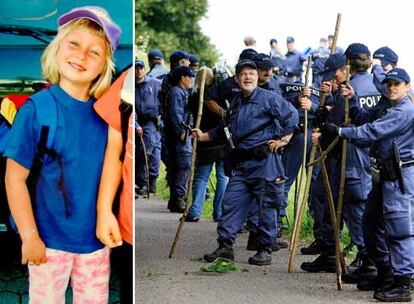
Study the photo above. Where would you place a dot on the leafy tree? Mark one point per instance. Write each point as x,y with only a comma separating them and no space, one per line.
170,25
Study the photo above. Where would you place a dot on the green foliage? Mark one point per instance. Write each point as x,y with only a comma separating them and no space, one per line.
220,265
170,25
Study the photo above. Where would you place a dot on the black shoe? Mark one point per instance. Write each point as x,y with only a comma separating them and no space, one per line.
153,185
312,249
398,292
383,281
180,206
192,219
263,257
367,271
225,250
141,190
355,264
323,263
252,244
282,243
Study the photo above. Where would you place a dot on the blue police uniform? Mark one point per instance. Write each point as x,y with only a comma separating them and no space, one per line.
179,153
396,126
294,61
158,71
146,107
224,92
293,152
273,86
253,180
319,56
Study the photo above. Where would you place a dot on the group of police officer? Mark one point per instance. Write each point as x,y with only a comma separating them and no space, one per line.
263,125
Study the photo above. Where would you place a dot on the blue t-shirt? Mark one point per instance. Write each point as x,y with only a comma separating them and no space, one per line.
79,142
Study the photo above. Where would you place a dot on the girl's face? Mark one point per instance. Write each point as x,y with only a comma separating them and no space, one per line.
81,57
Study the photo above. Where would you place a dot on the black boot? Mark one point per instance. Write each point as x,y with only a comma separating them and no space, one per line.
312,249
323,263
180,206
153,185
367,271
382,281
224,250
282,243
263,257
252,242
398,292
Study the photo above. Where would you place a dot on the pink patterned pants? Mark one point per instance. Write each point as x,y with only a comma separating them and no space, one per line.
88,274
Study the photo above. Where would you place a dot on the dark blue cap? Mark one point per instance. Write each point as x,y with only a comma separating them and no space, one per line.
155,54
263,61
290,39
180,71
356,49
245,63
193,59
333,63
140,63
397,74
176,56
272,40
247,54
386,55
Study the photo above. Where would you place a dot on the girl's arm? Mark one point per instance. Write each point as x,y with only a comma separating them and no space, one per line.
33,248
107,229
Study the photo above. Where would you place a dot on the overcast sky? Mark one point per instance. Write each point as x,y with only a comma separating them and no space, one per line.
375,23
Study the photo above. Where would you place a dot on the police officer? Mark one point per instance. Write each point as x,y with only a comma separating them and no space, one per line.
339,50
194,63
294,61
278,59
156,63
257,178
319,57
265,67
177,140
392,138
384,60
146,107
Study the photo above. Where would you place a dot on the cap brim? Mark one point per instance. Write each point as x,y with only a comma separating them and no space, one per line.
328,76
265,66
397,79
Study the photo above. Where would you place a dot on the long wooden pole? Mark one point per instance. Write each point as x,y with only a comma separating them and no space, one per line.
193,158
299,219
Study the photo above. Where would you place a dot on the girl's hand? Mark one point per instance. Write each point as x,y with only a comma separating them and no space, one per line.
33,251
107,230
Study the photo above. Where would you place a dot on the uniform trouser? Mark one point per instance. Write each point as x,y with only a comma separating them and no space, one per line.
201,177
398,211
355,205
152,141
242,195
318,206
179,171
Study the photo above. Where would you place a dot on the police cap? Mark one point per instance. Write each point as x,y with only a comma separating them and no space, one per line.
333,63
193,59
356,49
263,61
397,74
245,63
247,54
155,54
290,39
386,55
273,40
176,56
180,71
140,63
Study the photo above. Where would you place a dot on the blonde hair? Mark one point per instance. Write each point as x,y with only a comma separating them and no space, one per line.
50,69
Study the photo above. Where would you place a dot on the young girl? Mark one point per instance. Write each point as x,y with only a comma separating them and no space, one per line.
58,228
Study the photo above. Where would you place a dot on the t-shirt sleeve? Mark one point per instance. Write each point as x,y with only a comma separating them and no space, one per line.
22,142
107,106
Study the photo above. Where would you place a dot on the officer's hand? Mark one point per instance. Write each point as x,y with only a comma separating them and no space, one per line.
375,61
331,129
139,132
305,103
306,92
275,144
198,134
326,87
315,137
107,229
347,91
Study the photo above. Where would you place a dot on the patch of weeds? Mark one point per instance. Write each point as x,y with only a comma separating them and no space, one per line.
220,265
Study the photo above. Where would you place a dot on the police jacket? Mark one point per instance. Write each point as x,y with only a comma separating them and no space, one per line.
146,100
294,60
397,125
224,91
271,117
273,86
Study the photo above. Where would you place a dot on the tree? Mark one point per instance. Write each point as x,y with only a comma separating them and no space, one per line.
170,25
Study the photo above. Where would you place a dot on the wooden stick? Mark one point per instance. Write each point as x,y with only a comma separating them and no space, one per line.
193,158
